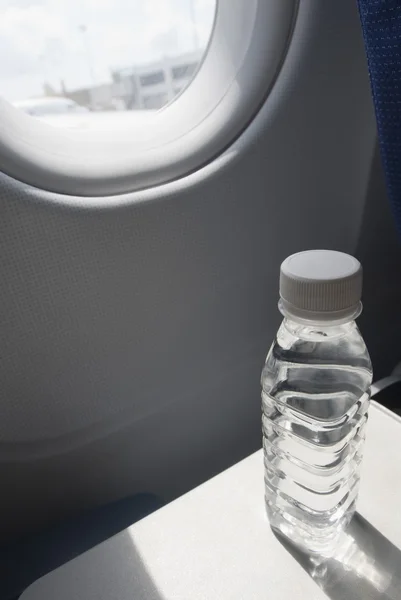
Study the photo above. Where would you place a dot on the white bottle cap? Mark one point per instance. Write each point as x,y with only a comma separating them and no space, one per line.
321,285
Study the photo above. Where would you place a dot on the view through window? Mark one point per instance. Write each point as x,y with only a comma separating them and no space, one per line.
60,57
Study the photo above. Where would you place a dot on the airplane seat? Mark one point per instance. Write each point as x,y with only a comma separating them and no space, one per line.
379,245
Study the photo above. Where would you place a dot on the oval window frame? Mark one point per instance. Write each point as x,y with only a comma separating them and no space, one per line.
246,49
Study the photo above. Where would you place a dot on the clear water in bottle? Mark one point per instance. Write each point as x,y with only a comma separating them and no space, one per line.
315,398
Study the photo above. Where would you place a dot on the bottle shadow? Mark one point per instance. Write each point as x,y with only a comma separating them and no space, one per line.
364,565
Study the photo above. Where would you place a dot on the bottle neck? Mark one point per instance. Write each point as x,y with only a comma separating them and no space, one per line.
326,319
317,331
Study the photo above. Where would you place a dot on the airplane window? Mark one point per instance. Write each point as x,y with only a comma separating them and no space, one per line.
99,56
95,77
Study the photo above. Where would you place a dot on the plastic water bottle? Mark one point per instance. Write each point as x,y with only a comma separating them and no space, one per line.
315,399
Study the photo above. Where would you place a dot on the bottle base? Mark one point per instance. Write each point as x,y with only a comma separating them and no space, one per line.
313,536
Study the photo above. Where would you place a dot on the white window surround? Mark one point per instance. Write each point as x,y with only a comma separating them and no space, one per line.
247,46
